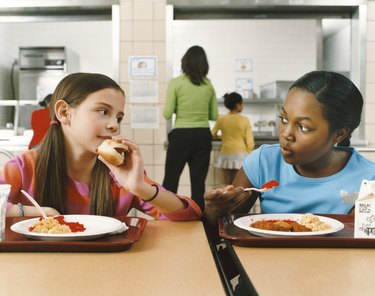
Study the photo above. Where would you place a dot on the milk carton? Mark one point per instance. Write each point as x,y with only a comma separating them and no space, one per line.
364,220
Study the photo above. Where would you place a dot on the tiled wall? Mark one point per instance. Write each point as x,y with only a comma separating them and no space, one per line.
142,32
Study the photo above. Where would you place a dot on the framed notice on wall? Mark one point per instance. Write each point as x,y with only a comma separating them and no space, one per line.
143,66
244,65
144,91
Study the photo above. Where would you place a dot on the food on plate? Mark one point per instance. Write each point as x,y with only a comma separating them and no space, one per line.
308,222
280,225
113,152
314,223
270,184
56,225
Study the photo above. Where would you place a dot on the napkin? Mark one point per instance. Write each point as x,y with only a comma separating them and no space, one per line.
367,190
123,227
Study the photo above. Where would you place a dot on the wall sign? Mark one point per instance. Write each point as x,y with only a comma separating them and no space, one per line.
143,66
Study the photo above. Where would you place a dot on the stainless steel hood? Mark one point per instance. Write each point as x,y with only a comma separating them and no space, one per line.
46,10
236,9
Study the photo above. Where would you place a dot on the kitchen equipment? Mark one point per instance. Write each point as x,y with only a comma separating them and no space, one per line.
260,124
275,90
40,70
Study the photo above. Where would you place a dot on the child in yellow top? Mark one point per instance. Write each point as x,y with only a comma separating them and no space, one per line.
237,139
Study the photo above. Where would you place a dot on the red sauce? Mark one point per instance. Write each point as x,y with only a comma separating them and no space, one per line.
74,226
270,184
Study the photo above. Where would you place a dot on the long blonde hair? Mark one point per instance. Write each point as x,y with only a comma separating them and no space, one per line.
51,174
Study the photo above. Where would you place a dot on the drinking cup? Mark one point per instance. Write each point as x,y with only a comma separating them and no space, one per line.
4,193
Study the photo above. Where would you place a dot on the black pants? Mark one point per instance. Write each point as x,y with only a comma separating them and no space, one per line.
191,146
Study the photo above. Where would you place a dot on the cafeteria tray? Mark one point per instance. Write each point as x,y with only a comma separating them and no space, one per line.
341,239
15,242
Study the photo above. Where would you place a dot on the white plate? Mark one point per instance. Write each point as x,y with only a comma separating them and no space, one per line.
96,226
244,223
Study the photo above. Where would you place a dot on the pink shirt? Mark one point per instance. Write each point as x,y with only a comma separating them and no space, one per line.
20,173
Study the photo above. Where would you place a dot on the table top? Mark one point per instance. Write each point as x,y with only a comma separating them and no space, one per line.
171,258
309,271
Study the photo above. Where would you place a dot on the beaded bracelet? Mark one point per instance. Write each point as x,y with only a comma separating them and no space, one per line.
22,212
153,197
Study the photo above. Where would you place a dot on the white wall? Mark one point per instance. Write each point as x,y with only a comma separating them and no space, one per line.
92,41
337,51
5,74
279,49
370,75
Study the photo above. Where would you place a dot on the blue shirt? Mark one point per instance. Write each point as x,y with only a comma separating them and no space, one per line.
298,194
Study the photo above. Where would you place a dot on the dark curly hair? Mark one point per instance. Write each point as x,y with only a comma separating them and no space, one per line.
232,99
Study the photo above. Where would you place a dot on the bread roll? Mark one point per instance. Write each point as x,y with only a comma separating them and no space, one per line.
113,152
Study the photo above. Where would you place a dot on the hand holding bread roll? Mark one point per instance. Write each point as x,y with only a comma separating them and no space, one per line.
113,152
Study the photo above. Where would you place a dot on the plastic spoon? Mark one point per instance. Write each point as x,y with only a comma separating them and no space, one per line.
265,187
33,201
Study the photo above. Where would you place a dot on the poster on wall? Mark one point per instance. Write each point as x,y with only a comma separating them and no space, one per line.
146,118
144,91
143,66
244,65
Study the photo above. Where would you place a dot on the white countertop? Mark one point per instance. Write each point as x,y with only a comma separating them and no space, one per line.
15,143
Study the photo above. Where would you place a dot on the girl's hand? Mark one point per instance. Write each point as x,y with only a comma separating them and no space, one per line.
51,211
223,201
130,175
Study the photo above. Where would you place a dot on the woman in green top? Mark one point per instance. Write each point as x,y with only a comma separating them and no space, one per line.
192,98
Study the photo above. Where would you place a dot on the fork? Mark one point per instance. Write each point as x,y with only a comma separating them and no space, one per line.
265,187
257,189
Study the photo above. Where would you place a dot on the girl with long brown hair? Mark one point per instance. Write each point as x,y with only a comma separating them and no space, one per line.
66,176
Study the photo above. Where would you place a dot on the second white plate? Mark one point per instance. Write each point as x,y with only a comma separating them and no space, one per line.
244,223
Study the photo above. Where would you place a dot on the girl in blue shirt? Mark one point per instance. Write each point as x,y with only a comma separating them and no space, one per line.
317,170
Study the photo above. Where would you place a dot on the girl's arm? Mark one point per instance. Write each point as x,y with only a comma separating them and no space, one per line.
131,176
170,102
14,211
214,110
215,129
